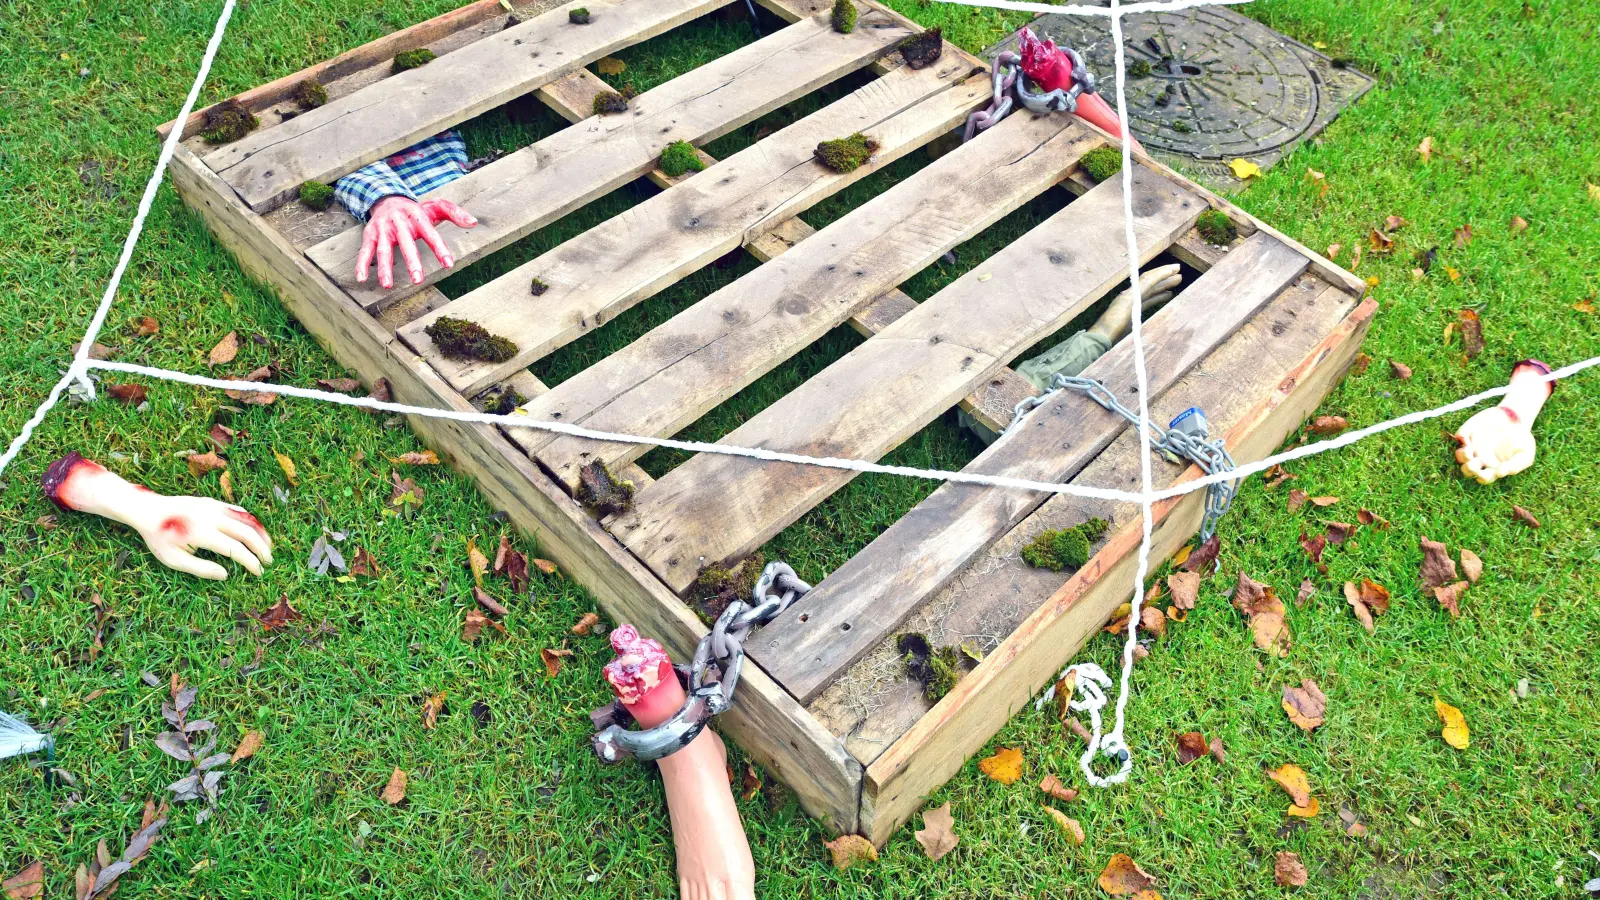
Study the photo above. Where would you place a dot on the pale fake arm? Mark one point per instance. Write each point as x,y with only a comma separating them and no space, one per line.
172,527
1498,441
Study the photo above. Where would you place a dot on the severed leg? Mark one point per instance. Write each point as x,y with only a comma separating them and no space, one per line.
714,860
1498,441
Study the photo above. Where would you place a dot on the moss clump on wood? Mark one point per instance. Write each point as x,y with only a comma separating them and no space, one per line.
846,154
411,59
923,49
1063,548
1215,226
316,195
461,339
502,401
579,16
720,585
603,492
609,102
1102,163
938,671
227,122
537,287
1140,68
844,16
679,158
310,94
1182,127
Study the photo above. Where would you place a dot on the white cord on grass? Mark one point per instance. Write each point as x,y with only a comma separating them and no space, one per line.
77,371
1103,12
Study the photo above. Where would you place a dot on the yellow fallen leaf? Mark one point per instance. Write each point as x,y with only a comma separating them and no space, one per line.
287,465
1455,274
1425,149
1182,556
1068,825
610,65
249,745
1293,780
849,849
226,485
1244,169
1304,812
1004,767
1123,876
476,562
1455,732
1319,45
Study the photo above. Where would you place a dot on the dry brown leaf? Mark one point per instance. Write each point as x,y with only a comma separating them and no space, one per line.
1269,625
287,465
363,565
128,394
510,564
1355,256
553,659
202,464
1307,591
1399,370
1463,236
1068,825
1297,499
1305,705
1338,532
1271,633
1351,823
1185,587
1455,731
1324,501
1585,305
1594,190
1153,621
26,884
1288,871
488,602
938,835
395,791
477,563
1204,558
254,398
1325,425
1368,517
1276,475
339,385
1471,328
1449,597
249,746
145,326
416,458
1471,565
280,615
1218,752
1333,252
1381,243
545,566
221,436
586,623
1123,876
1521,515
1052,785
1191,746
1318,180
1005,766
1425,149
1293,780
849,849
750,784
1438,568
1394,223
431,707
225,350
475,622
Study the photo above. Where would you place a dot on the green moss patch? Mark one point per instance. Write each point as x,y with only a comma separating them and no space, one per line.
923,49
537,287
607,102
679,158
1059,549
502,401
720,585
603,492
227,122
579,16
1215,226
1102,163
938,671
316,195
310,94
411,59
461,339
844,16
846,154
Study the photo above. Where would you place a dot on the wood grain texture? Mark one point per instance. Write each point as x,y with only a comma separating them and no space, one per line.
764,720
713,509
538,184
868,597
632,256
991,403
322,144
941,741
997,590
709,352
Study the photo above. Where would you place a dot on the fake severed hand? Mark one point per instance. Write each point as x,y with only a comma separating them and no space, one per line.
403,221
1498,441
174,528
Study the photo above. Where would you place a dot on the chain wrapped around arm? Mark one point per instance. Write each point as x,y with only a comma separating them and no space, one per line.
722,650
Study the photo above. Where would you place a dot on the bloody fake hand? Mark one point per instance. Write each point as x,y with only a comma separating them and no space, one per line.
172,527
401,220
1498,441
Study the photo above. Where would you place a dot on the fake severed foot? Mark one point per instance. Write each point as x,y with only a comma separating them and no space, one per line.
1498,442
713,853
172,527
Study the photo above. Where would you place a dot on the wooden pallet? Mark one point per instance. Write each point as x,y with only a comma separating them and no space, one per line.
1257,340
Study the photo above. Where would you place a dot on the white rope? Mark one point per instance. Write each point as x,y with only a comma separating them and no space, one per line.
76,371
1104,12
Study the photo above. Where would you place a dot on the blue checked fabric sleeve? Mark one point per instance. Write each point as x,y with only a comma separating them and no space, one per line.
414,171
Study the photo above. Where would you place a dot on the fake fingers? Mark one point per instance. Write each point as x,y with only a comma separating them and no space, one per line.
1493,445
400,221
175,528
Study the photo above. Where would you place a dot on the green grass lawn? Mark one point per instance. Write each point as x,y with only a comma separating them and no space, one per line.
505,797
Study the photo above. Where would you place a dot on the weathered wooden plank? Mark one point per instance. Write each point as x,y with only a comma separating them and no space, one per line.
324,143
706,354
869,401
991,404
536,185
630,257
765,721
869,596
936,746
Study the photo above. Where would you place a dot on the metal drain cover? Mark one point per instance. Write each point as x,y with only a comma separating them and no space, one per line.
1207,85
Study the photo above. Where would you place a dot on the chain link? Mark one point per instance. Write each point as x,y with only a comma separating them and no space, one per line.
1176,445
719,653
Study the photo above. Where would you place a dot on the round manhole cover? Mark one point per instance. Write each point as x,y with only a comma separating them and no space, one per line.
1210,85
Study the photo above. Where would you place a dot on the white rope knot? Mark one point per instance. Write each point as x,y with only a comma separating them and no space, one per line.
1091,683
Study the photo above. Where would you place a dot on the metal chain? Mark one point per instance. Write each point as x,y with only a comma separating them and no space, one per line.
722,649
1183,439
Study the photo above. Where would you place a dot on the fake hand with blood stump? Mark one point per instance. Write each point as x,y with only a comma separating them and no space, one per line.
172,527
1498,441
714,860
399,220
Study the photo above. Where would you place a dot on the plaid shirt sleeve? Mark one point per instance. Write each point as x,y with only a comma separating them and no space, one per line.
424,166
